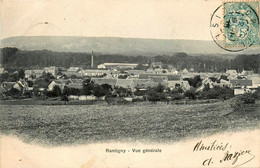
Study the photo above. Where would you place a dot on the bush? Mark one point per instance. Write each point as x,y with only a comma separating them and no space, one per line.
159,88
155,96
55,92
257,93
191,94
13,92
240,101
216,93
70,91
248,98
177,97
64,98
139,92
194,82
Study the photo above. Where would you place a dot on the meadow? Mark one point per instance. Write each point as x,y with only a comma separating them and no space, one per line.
160,123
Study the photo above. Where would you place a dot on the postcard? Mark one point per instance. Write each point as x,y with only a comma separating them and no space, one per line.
112,83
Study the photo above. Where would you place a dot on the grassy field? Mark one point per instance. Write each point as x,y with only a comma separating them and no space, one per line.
49,101
57,125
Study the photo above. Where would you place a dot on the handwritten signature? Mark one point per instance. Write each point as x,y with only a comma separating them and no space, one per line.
228,156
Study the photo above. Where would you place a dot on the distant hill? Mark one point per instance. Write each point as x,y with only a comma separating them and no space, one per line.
115,45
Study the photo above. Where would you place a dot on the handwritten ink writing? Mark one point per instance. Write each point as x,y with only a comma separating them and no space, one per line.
207,162
234,156
228,156
214,146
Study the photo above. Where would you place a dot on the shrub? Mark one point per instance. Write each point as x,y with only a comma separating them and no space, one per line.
240,101
216,93
55,92
247,98
177,96
257,93
191,94
155,96
159,88
194,82
14,92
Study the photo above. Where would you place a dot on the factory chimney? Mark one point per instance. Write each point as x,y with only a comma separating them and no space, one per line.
92,60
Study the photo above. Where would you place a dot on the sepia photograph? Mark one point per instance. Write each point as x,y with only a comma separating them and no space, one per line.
112,83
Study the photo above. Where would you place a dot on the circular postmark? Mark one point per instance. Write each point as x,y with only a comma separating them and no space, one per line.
234,26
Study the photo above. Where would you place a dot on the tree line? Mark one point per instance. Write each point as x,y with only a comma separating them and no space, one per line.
14,57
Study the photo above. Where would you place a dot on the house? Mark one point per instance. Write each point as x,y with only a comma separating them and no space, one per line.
185,71
8,85
143,84
174,71
71,83
223,83
114,74
255,80
73,97
2,92
232,73
160,70
203,75
125,83
169,76
28,73
59,83
183,84
159,79
246,73
154,84
20,85
110,81
89,97
2,70
206,81
83,97
149,70
191,69
33,73
240,83
72,73
73,69
135,73
95,72
60,75
156,65
174,77
52,70
239,91
139,83
38,72
75,83
101,66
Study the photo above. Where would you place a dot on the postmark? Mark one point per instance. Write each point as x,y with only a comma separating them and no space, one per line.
234,25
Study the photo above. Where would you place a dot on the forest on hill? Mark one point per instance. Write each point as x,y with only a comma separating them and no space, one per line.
14,57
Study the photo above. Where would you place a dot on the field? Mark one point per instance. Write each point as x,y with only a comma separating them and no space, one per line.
60,125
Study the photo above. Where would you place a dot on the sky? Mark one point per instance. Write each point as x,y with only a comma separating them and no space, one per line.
158,19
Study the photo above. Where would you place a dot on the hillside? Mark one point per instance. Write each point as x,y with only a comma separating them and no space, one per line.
115,45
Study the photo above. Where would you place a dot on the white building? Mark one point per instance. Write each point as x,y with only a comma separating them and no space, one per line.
117,65
53,70
232,73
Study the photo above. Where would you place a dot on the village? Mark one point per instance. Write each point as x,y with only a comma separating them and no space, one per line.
130,81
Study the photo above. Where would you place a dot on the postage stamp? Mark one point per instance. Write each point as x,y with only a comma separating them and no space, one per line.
241,23
234,25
